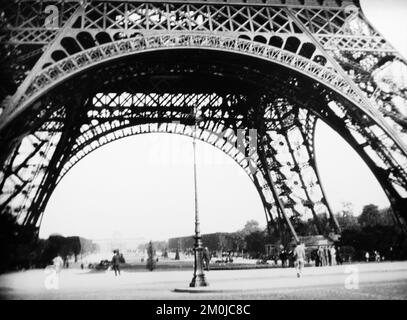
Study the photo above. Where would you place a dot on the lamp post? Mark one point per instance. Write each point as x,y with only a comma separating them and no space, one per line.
198,279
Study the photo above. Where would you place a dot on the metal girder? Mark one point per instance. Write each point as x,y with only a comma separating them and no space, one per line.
62,70
307,125
329,23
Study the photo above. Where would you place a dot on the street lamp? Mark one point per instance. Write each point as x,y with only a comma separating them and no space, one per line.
198,280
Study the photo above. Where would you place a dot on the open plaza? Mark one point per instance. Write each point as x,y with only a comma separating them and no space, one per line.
386,280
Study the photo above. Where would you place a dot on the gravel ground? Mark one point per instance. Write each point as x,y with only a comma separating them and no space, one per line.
375,281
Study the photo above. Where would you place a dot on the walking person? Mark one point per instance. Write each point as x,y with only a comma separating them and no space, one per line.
206,258
116,262
299,258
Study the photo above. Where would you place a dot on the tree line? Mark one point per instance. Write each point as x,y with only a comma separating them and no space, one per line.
20,247
373,230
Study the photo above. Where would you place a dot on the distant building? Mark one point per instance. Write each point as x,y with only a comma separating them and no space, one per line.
125,245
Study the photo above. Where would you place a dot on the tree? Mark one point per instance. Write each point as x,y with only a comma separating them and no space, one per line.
87,246
306,228
255,243
150,259
387,217
16,242
374,230
250,227
370,216
346,218
237,239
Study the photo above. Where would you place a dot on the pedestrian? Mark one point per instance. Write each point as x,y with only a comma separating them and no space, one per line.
338,256
333,255
116,262
283,257
391,254
315,257
321,256
367,256
326,256
329,257
291,259
206,258
377,256
299,258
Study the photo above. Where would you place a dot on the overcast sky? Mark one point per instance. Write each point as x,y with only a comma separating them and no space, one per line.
143,186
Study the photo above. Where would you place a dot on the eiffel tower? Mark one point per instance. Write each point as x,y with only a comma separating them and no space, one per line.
87,73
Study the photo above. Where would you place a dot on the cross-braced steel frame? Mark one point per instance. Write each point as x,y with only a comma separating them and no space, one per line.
92,72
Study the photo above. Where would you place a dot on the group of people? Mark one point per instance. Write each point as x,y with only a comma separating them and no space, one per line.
284,257
287,257
376,255
327,256
323,256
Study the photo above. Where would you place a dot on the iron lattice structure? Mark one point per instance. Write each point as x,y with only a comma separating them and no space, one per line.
92,72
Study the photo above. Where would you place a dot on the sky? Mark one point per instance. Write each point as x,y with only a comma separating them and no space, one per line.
142,186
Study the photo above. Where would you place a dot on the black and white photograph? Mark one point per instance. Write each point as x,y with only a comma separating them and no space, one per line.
227,151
